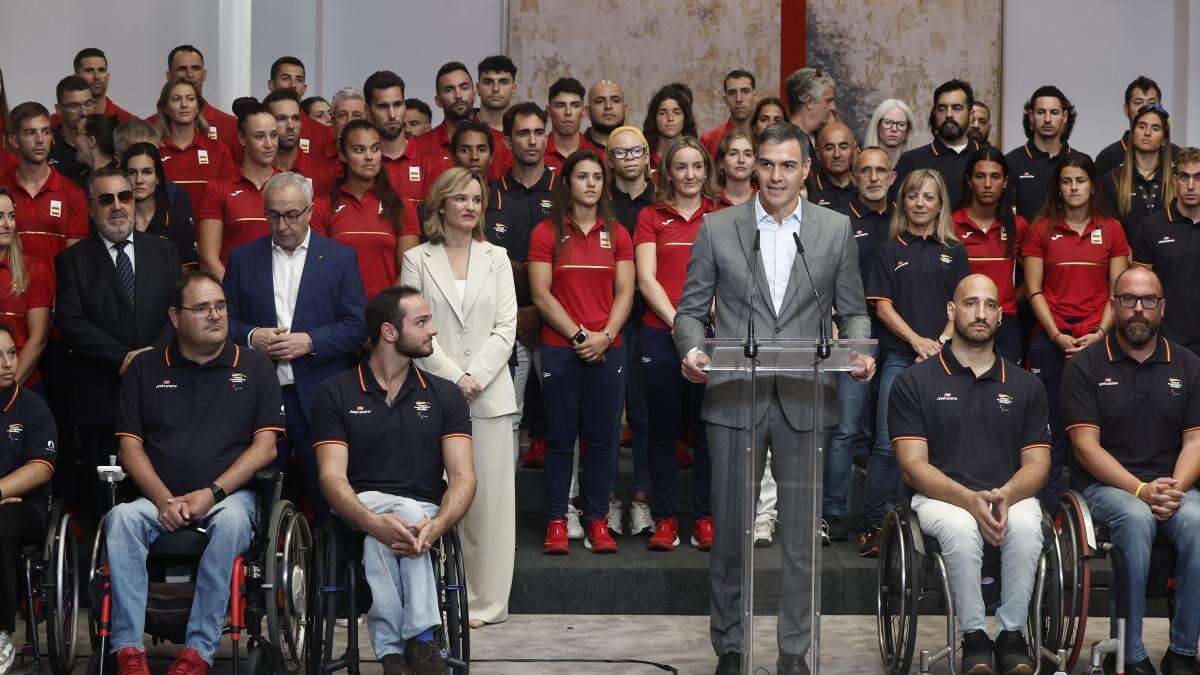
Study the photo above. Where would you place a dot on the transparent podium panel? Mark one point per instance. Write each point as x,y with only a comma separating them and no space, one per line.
769,413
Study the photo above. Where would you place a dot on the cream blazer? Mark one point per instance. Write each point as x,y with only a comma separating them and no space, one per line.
477,339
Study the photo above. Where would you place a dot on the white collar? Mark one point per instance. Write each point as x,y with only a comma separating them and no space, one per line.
302,247
763,218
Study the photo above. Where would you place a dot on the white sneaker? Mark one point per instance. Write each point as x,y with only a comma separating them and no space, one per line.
8,653
574,528
824,532
614,517
764,533
640,521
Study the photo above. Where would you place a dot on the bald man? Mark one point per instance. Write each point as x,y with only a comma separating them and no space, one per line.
971,438
829,184
606,108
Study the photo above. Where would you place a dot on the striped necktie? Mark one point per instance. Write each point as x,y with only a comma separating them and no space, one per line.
125,271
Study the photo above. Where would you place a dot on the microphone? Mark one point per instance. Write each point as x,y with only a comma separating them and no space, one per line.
750,347
824,344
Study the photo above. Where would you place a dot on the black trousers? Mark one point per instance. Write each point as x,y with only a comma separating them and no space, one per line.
21,524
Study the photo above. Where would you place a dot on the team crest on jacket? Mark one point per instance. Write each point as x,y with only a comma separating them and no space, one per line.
1176,386
238,381
14,432
948,396
1005,402
944,258
422,408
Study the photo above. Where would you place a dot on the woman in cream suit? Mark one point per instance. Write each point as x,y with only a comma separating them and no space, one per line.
469,285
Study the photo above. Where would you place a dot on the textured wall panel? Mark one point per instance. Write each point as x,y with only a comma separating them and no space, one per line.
879,49
643,45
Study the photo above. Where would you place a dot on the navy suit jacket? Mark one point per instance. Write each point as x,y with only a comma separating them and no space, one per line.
330,306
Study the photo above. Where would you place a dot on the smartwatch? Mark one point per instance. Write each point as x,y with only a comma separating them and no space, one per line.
218,492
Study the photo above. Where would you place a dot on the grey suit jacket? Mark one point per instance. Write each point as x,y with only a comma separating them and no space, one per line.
719,270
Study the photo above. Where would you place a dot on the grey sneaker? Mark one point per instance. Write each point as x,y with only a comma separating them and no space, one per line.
8,653
764,533
614,517
574,527
640,521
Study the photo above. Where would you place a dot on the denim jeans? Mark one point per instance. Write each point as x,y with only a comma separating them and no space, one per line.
404,600
635,411
1048,362
133,526
962,548
1133,529
883,475
850,437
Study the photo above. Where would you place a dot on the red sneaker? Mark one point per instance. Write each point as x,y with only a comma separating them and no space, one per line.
535,456
598,539
626,436
666,535
683,458
132,661
556,538
703,534
188,662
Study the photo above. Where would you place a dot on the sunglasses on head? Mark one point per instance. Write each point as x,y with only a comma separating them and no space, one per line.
107,199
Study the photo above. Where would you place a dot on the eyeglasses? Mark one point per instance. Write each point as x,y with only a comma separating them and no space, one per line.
634,152
220,308
107,199
76,107
290,218
898,125
1129,301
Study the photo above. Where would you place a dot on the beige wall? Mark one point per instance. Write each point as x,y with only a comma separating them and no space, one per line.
644,45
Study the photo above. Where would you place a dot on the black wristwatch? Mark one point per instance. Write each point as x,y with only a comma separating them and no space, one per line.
218,492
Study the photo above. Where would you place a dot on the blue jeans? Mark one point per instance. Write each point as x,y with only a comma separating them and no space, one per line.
883,474
581,401
1048,362
404,600
1133,529
133,526
635,410
851,437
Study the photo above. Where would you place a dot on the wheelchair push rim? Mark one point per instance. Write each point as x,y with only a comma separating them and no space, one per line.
895,607
62,629
286,575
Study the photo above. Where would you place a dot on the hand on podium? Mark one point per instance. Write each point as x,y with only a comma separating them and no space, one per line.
863,366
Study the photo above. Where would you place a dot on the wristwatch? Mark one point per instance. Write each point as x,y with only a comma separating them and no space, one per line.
218,492
608,335
944,338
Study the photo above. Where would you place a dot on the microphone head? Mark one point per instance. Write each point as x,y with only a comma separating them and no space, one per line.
757,234
799,246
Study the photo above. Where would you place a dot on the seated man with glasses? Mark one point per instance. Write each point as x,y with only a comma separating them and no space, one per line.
1131,403
298,298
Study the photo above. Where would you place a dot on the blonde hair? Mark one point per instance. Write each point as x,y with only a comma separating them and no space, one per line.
162,124
944,225
1123,174
450,183
641,138
12,253
665,194
873,126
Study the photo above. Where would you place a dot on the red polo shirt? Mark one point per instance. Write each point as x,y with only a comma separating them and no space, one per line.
39,292
672,236
433,150
46,220
221,127
314,138
584,272
985,252
360,225
406,174
316,169
1075,276
203,161
238,204
8,161
555,158
111,109
712,138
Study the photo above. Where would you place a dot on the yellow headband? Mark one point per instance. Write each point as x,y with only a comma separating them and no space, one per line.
632,129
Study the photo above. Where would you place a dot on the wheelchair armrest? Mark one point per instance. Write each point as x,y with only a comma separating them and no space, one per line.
266,477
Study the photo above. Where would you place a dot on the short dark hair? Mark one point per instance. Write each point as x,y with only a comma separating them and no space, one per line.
87,53
523,108
1053,92
69,83
187,279
307,104
100,127
1145,84
381,79
386,307
25,111
467,126
149,150
782,133
737,73
246,107
448,68
983,105
284,61
566,85
497,63
180,49
103,172
6,327
281,94
946,87
420,106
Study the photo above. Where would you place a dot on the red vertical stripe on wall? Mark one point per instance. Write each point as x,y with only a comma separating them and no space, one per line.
793,38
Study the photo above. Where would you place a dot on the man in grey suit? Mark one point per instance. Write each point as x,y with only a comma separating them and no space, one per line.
780,298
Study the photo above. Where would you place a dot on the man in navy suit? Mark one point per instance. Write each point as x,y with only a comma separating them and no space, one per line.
297,297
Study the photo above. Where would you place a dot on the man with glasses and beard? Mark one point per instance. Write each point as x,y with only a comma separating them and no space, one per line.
388,434
951,149
114,289
971,438
1131,403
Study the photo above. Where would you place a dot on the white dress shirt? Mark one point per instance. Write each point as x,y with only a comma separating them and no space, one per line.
112,252
286,271
777,248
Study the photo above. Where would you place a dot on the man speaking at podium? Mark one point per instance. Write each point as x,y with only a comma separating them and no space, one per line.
805,263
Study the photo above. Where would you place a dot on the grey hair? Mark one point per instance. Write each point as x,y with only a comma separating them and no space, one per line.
345,93
806,84
873,126
292,179
106,172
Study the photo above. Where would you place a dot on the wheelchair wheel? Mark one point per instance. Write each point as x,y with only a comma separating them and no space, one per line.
1071,526
450,570
101,661
62,597
895,601
1049,622
286,573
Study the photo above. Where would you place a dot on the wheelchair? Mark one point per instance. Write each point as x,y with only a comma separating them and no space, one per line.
50,594
269,582
339,590
1082,541
913,575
